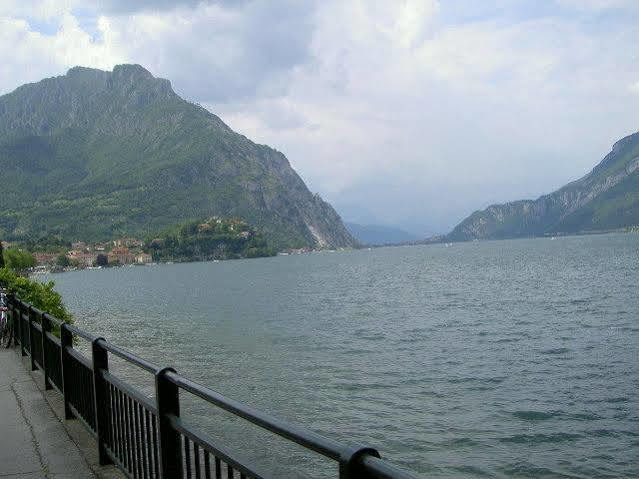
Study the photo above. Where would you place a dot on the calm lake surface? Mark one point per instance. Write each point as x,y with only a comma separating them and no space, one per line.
506,358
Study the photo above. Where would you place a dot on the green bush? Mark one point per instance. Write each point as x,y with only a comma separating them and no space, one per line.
63,261
40,295
18,260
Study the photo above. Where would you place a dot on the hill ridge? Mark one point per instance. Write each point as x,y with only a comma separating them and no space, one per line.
94,154
605,198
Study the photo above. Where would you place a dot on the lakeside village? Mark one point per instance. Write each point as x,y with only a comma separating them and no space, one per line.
82,255
194,240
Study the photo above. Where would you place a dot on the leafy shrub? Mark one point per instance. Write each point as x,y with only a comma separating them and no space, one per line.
40,295
63,261
18,260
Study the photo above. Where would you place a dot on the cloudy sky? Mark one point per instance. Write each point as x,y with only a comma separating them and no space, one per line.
407,112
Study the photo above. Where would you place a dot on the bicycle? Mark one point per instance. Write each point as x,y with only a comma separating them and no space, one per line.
5,325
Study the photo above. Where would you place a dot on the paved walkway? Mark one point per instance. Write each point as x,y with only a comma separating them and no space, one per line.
34,441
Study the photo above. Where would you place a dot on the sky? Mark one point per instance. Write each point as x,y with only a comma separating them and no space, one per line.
412,113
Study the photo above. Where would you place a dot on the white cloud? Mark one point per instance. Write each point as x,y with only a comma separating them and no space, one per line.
398,106
470,114
31,56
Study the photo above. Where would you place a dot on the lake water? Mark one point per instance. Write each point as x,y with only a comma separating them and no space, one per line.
505,358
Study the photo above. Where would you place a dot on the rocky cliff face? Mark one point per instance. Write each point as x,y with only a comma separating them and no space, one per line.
606,198
95,154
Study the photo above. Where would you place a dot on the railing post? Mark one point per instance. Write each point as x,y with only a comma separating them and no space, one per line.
46,327
66,341
350,464
101,399
30,322
167,398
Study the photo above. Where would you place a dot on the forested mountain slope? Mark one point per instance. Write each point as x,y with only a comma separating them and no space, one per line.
606,198
95,154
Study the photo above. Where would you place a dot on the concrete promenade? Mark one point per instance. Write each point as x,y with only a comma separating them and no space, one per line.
35,441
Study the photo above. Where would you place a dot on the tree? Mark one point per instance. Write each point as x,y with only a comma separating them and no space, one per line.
102,260
18,260
63,261
40,295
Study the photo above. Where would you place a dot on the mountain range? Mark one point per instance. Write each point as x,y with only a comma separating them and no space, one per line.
94,154
607,198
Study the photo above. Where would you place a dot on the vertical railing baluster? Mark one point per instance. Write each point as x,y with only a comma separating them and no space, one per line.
83,390
156,447
116,424
100,398
131,421
149,441
127,422
121,436
66,341
207,464
167,397
114,418
229,471
196,460
218,468
81,393
130,417
123,428
111,419
46,327
138,439
136,458
187,457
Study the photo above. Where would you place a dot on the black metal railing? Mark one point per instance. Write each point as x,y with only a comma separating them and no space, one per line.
147,438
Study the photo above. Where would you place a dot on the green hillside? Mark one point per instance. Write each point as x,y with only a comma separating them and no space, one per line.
216,238
607,198
94,155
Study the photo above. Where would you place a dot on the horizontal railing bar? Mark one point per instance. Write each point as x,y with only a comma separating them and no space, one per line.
130,357
83,334
32,308
37,326
129,391
79,357
320,444
53,338
376,468
39,312
207,445
53,319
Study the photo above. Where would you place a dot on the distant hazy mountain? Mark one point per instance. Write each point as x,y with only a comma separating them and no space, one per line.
606,198
96,154
379,235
